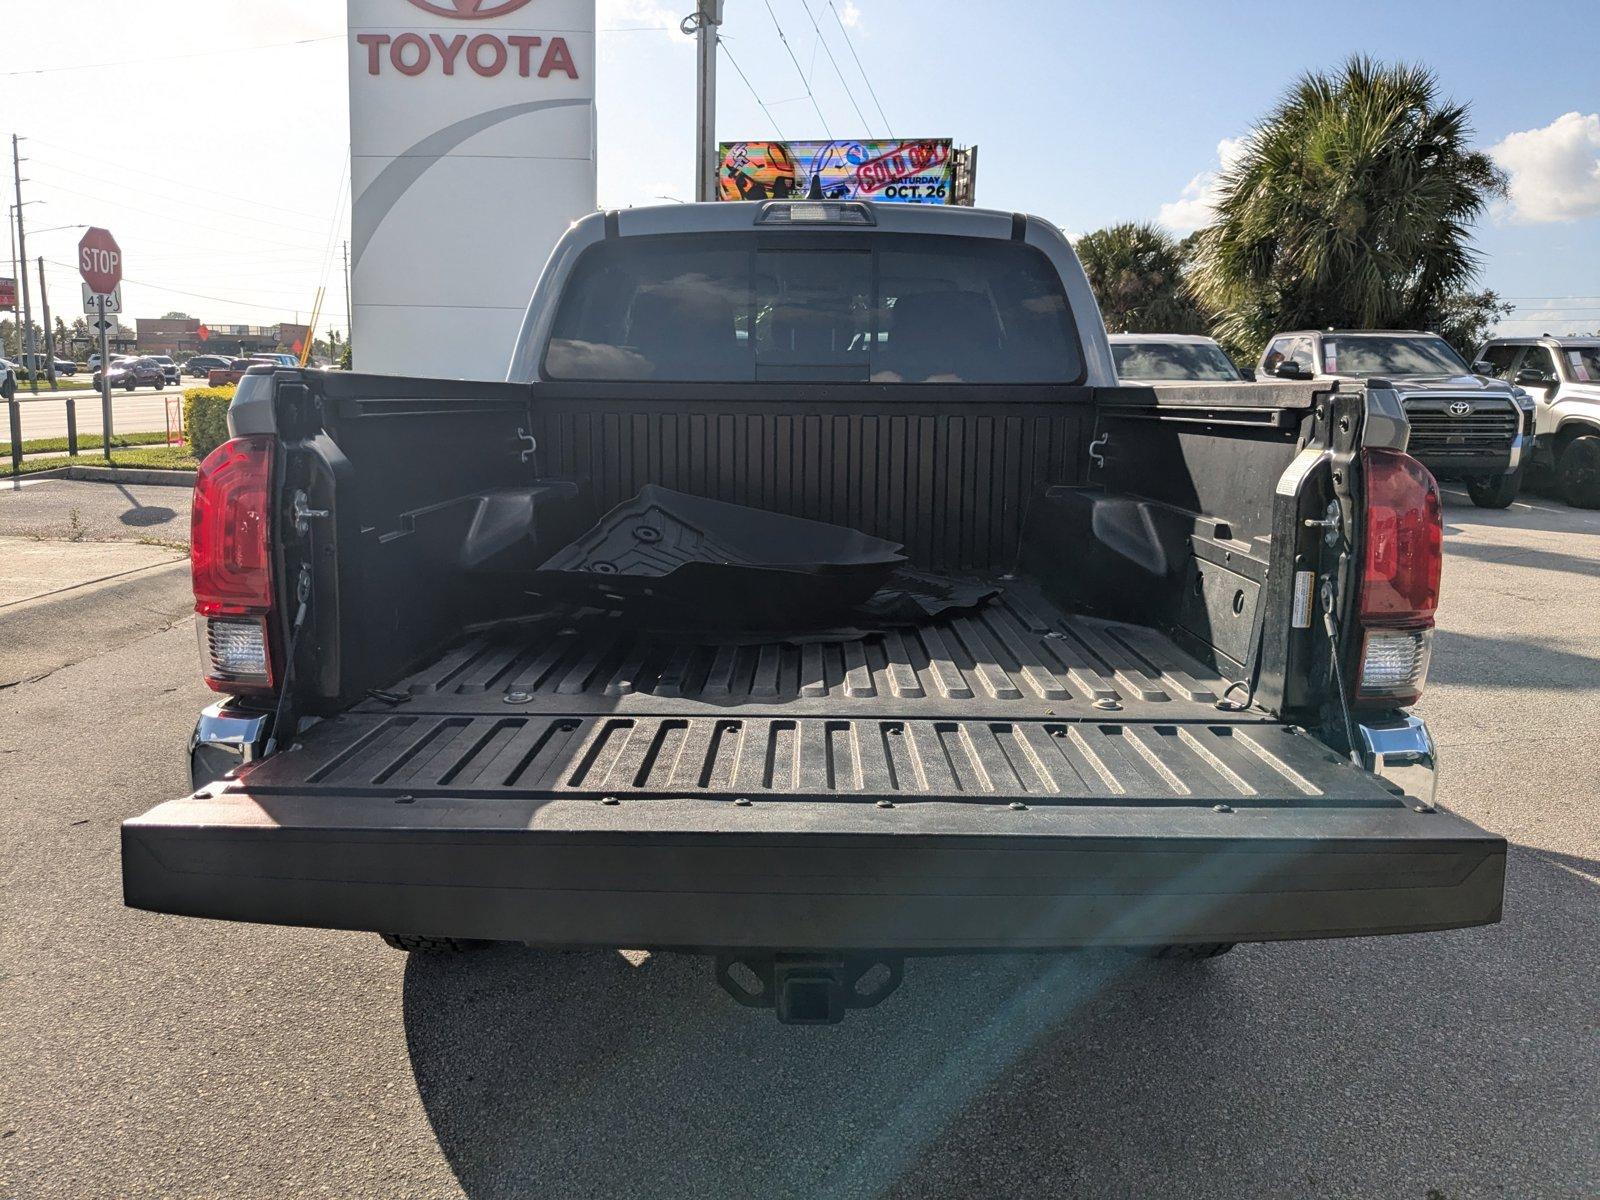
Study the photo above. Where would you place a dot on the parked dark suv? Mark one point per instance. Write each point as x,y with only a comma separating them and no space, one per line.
131,373
201,365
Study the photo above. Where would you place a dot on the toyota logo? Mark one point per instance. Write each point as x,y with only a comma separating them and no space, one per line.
1460,408
470,10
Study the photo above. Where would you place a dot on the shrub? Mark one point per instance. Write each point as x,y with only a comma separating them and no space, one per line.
205,418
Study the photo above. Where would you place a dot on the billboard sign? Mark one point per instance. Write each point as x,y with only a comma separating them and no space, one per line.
472,148
8,292
898,170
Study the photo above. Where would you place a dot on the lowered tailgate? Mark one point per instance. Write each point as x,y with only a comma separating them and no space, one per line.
1051,834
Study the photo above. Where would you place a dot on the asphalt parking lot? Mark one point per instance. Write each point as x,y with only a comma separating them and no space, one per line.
152,1056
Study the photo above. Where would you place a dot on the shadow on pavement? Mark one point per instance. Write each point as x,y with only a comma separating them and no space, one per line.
1371,1067
1525,556
1494,662
147,514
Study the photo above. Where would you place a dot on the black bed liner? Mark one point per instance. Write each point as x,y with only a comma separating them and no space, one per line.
1018,656
1019,700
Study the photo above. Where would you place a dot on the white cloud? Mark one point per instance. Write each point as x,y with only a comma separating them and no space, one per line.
849,14
1555,171
1196,208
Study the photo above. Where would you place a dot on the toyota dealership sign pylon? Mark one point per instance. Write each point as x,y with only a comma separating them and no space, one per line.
472,148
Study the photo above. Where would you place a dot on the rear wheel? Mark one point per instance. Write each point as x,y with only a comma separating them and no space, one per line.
130,385
1189,952
416,943
1578,472
1495,493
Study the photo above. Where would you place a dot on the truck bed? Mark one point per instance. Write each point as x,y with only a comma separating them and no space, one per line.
1017,699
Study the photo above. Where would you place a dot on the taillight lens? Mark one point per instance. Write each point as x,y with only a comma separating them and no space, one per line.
1405,538
230,558
1401,568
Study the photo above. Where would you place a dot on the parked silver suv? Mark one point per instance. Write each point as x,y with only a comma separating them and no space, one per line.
1563,377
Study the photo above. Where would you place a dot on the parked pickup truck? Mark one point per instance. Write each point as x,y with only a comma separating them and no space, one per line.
1170,357
1563,377
1146,687
1463,426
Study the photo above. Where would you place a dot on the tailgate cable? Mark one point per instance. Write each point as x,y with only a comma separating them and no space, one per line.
1333,667
302,593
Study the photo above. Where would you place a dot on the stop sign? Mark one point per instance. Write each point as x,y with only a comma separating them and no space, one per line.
100,261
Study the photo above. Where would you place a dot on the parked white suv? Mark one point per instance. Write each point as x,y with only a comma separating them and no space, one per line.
1563,377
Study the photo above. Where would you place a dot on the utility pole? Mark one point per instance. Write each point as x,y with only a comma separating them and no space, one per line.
22,253
16,311
704,23
49,335
349,313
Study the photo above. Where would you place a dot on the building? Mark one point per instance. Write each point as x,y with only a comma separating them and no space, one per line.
185,336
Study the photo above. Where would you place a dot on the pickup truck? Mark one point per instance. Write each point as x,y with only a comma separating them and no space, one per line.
1464,426
1171,357
1169,714
1562,374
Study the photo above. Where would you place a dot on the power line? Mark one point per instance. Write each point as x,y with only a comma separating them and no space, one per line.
806,4
867,79
167,177
723,46
196,295
148,59
166,199
803,80
123,204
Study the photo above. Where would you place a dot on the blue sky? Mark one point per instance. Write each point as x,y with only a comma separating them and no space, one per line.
1085,113
1090,113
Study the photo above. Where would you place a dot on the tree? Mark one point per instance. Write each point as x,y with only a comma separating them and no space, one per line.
1351,207
1137,272
1465,319
175,315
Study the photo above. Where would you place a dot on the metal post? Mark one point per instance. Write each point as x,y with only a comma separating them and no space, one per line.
349,312
15,406
105,378
22,253
705,22
49,337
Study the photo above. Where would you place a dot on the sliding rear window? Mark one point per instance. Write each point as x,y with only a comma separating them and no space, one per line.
855,308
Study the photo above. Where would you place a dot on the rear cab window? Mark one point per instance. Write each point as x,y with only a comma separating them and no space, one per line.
817,307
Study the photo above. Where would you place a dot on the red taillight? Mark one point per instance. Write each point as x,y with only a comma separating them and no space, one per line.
1405,539
230,558
1400,576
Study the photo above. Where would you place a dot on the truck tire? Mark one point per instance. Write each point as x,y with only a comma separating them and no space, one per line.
1578,471
1189,952
416,943
1495,493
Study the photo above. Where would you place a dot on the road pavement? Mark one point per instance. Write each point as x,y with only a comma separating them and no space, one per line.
143,1055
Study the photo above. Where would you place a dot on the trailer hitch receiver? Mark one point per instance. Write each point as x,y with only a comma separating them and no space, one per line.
809,989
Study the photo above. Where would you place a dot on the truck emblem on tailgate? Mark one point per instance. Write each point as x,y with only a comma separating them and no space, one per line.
1460,408
470,10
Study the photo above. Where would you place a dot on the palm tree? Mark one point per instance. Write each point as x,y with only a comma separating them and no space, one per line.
1137,273
1351,207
